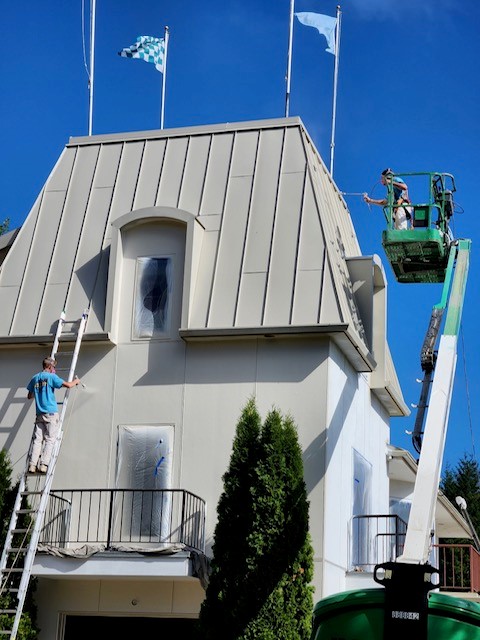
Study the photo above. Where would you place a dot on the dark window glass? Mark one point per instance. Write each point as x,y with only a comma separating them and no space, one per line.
152,297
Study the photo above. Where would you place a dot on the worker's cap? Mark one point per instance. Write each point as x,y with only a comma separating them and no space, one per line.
385,172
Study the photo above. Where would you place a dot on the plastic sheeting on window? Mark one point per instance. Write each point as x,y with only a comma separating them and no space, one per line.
362,484
144,462
152,297
362,490
400,508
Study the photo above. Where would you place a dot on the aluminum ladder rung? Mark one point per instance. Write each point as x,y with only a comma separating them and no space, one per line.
11,570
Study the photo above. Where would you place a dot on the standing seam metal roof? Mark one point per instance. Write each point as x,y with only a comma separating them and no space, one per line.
277,230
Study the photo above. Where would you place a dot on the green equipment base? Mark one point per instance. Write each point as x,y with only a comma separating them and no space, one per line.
358,615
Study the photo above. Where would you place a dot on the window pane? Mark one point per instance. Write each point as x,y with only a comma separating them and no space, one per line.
152,297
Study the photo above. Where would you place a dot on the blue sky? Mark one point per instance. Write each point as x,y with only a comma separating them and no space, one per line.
408,95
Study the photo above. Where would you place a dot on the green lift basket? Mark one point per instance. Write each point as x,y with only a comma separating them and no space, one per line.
358,615
420,253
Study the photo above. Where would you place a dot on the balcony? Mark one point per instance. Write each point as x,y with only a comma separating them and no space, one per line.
459,566
125,519
376,539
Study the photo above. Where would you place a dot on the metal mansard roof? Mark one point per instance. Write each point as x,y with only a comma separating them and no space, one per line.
277,233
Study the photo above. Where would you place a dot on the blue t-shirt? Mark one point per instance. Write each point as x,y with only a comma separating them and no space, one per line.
43,386
399,192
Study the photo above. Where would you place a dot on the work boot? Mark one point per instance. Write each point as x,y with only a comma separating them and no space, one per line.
43,468
32,468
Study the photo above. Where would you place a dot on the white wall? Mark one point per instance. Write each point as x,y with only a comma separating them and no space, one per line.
201,389
355,421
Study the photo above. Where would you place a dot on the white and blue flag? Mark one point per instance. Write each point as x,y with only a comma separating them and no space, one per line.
149,49
325,25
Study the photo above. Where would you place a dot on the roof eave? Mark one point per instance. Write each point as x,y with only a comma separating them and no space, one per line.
355,351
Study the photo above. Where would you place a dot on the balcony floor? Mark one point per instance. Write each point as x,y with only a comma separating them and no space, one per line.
116,564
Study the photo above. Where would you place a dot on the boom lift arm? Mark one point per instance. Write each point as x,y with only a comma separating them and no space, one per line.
417,542
428,356
408,581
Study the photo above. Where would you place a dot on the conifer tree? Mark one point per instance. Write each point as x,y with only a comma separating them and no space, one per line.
7,496
464,480
4,226
27,629
262,556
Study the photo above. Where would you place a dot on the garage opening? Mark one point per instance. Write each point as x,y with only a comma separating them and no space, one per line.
125,628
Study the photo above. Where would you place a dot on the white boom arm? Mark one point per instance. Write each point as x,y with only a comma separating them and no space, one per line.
420,523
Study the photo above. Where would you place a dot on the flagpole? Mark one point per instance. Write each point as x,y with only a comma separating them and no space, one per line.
335,81
92,64
289,58
164,77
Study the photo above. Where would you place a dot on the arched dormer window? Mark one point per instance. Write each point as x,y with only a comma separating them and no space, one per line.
151,274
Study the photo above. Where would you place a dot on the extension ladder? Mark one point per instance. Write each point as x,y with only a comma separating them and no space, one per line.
30,505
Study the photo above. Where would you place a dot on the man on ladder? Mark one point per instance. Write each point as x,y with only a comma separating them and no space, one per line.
21,543
42,387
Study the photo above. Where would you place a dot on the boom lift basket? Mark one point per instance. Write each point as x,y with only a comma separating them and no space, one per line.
420,254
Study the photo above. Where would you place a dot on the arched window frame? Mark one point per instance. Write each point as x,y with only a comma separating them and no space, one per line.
193,243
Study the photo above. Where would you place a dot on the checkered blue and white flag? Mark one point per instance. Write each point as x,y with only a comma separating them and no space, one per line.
149,49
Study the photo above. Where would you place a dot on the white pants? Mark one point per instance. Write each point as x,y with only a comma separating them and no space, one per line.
400,218
44,436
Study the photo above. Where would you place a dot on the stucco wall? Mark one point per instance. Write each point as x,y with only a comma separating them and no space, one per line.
201,388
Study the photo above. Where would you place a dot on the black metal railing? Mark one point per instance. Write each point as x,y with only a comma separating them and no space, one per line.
122,517
376,539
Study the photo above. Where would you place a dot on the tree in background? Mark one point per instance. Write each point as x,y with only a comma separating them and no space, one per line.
4,226
262,564
464,481
7,495
27,629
